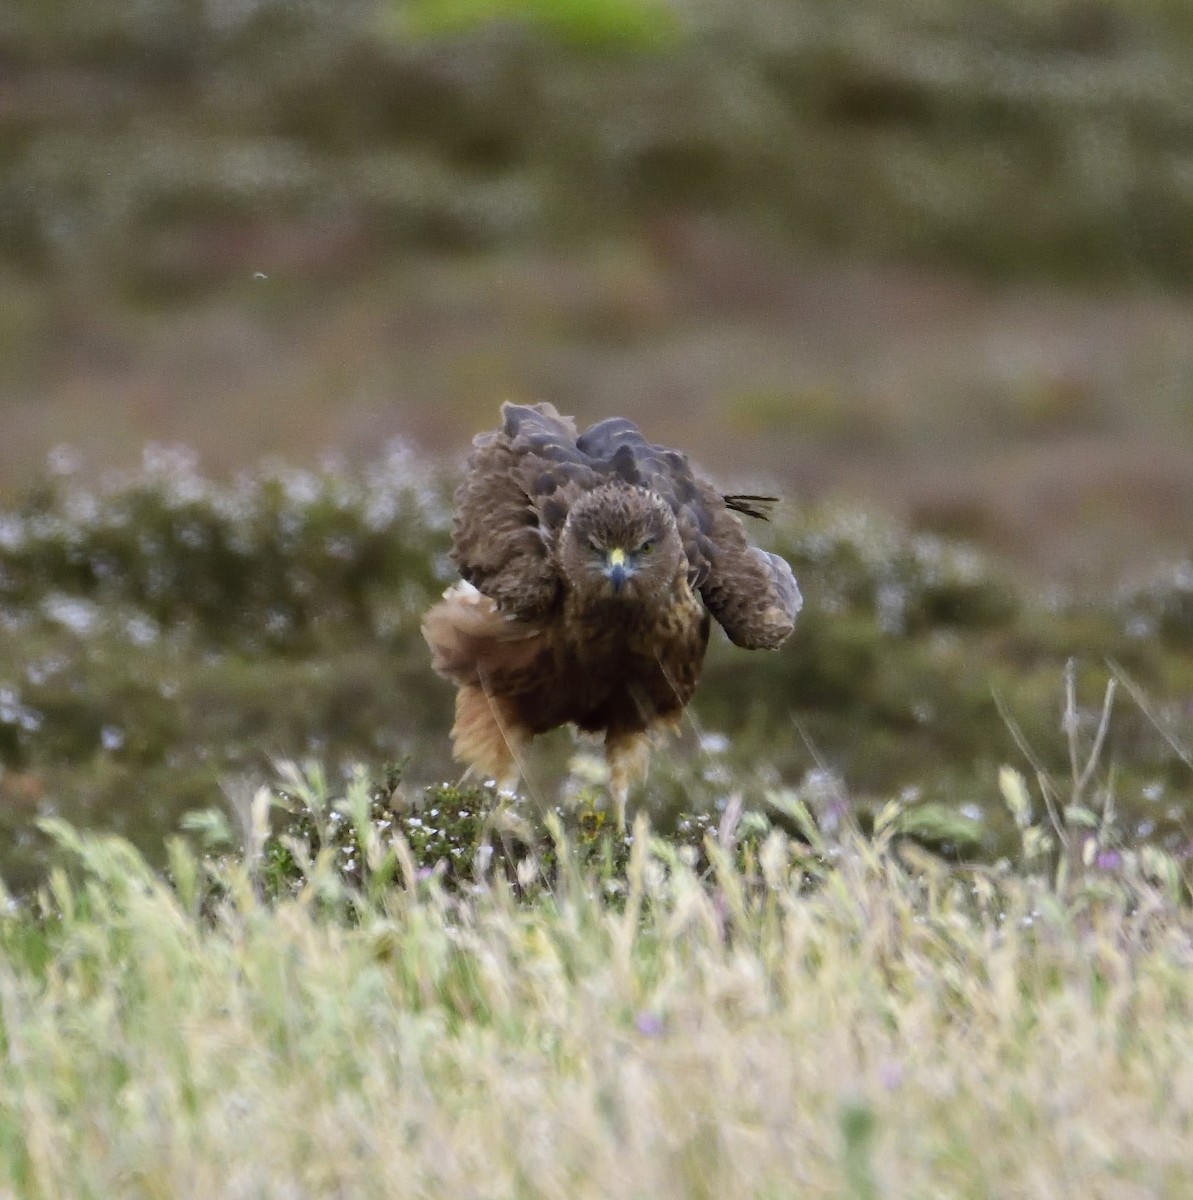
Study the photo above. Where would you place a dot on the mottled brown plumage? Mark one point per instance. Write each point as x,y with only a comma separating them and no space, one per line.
591,565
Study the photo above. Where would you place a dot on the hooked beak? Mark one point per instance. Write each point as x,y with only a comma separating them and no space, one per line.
616,570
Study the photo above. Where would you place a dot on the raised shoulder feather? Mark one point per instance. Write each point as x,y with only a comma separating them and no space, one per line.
514,498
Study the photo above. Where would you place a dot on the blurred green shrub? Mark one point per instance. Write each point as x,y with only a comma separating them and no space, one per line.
625,24
162,634
1160,606
269,563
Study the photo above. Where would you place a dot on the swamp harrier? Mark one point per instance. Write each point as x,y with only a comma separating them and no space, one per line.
591,566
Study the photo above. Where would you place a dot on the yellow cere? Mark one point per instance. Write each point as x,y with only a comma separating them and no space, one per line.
617,558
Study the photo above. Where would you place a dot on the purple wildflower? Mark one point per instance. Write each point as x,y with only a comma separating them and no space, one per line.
649,1024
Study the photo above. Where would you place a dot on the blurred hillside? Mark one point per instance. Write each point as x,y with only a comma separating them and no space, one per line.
820,242
174,143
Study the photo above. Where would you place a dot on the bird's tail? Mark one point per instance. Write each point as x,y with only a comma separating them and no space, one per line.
486,737
475,646
471,641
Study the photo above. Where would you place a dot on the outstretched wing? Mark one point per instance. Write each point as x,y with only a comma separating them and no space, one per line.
521,481
752,594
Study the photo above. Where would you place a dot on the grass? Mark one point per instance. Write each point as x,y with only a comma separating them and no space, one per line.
847,1018
837,966
832,966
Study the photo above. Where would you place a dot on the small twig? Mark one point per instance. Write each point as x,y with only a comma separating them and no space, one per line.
519,761
1055,817
1080,783
1145,706
1070,722
839,796
1108,813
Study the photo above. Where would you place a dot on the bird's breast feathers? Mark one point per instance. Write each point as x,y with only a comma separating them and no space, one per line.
633,624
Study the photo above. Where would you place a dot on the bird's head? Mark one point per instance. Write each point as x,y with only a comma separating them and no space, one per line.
621,542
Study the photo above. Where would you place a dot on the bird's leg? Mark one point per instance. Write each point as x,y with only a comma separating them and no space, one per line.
619,789
627,755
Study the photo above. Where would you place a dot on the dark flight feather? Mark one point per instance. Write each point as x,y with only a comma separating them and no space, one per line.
760,507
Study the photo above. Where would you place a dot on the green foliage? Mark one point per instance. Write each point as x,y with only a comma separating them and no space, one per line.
356,842
354,833
625,24
349,846
166,637
273,562
1161,606
857,1130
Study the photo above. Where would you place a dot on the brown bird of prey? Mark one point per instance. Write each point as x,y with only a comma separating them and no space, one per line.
591,565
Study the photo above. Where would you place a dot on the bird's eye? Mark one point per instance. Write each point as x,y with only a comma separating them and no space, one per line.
647,546
595,546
